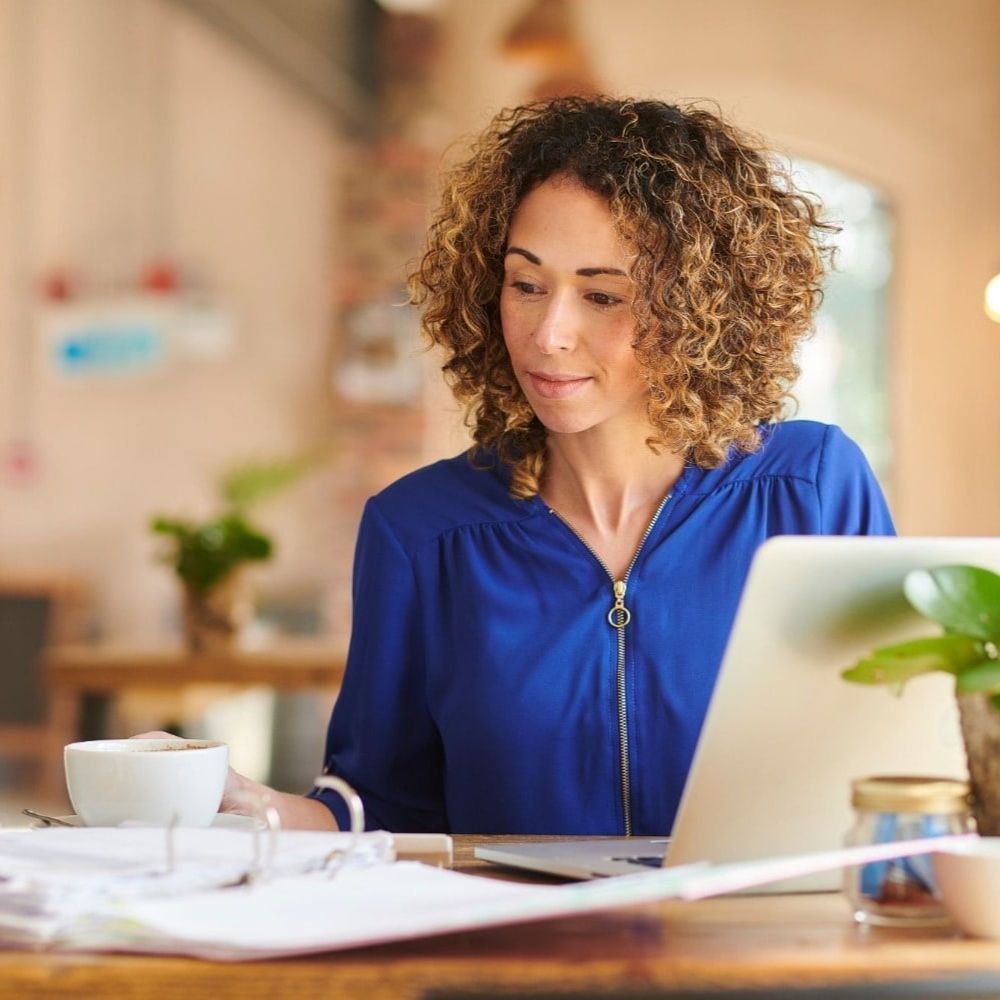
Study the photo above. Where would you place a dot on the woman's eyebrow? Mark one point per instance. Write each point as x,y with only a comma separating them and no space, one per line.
592,272
583,272
526,254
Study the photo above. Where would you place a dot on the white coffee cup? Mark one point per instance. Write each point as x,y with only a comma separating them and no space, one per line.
161,782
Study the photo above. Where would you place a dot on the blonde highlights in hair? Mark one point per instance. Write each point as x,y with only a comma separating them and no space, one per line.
727,268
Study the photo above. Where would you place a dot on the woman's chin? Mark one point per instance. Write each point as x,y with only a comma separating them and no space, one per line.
566,424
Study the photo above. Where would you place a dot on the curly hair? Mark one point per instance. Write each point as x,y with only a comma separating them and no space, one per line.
728,260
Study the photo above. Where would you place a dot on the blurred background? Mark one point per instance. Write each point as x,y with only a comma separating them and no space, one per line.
207,208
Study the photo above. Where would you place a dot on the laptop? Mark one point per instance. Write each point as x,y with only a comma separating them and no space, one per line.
785,735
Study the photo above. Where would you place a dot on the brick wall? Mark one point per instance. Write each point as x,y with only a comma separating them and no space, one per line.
379,368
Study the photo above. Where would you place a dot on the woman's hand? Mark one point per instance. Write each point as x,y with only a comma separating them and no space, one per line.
244,796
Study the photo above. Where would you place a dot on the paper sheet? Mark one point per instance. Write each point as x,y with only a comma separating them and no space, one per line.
390,903
303,914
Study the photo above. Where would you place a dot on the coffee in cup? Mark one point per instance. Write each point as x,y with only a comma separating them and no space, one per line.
156,781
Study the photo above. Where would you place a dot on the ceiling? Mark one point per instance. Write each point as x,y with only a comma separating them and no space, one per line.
326,48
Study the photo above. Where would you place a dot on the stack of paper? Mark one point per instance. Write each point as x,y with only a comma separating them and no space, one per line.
51,878
114,890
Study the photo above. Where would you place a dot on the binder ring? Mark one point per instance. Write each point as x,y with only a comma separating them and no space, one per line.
266,818
336,858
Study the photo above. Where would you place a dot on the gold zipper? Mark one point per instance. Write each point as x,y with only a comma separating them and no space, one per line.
618,617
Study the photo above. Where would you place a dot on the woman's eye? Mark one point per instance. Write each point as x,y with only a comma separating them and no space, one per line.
603,299
525,287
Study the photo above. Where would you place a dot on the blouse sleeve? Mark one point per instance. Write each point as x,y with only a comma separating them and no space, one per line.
850,498
382,739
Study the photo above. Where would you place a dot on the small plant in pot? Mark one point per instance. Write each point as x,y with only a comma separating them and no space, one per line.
210,556
965,601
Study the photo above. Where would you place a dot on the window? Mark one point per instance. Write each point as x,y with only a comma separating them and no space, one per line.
845,364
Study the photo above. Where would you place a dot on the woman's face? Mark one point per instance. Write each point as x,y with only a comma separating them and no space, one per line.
565,311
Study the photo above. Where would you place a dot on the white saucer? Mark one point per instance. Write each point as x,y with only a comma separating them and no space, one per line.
225,821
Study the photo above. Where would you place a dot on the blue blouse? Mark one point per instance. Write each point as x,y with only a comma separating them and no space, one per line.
486,689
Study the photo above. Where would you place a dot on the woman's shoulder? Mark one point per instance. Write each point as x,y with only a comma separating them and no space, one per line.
452,493
792,449
797,447
808,448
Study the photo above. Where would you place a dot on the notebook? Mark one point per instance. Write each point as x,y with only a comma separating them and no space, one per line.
785,735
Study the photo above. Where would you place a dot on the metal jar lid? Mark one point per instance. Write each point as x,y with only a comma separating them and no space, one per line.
907,794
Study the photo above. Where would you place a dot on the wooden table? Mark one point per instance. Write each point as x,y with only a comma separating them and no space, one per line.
111,670
761,942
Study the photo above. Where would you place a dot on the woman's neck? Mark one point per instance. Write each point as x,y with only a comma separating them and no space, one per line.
594,481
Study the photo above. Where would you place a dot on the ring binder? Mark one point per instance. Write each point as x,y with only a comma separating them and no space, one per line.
171,847
336,858
266,818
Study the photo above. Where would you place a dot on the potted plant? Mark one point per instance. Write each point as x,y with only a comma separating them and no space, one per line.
965,601
209,557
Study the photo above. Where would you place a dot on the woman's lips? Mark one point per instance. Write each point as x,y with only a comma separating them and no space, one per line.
557,386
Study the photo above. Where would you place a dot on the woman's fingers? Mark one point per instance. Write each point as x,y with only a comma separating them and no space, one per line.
240,794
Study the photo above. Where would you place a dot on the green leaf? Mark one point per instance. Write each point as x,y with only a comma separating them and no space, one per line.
171,526
253,482
897,664
964,599
204,555
983,676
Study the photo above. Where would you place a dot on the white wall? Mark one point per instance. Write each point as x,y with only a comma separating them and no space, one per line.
139,131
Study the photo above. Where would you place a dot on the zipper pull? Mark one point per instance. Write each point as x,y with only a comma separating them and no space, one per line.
619,616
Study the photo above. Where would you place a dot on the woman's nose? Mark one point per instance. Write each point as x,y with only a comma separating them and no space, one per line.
557,327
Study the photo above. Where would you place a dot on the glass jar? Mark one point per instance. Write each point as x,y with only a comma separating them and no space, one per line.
902,892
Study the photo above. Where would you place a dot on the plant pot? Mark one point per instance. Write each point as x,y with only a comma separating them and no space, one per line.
981,735
213,619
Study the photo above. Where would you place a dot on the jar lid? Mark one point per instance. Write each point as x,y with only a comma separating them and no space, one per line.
898,793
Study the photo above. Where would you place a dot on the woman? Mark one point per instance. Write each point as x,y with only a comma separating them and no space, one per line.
619,288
